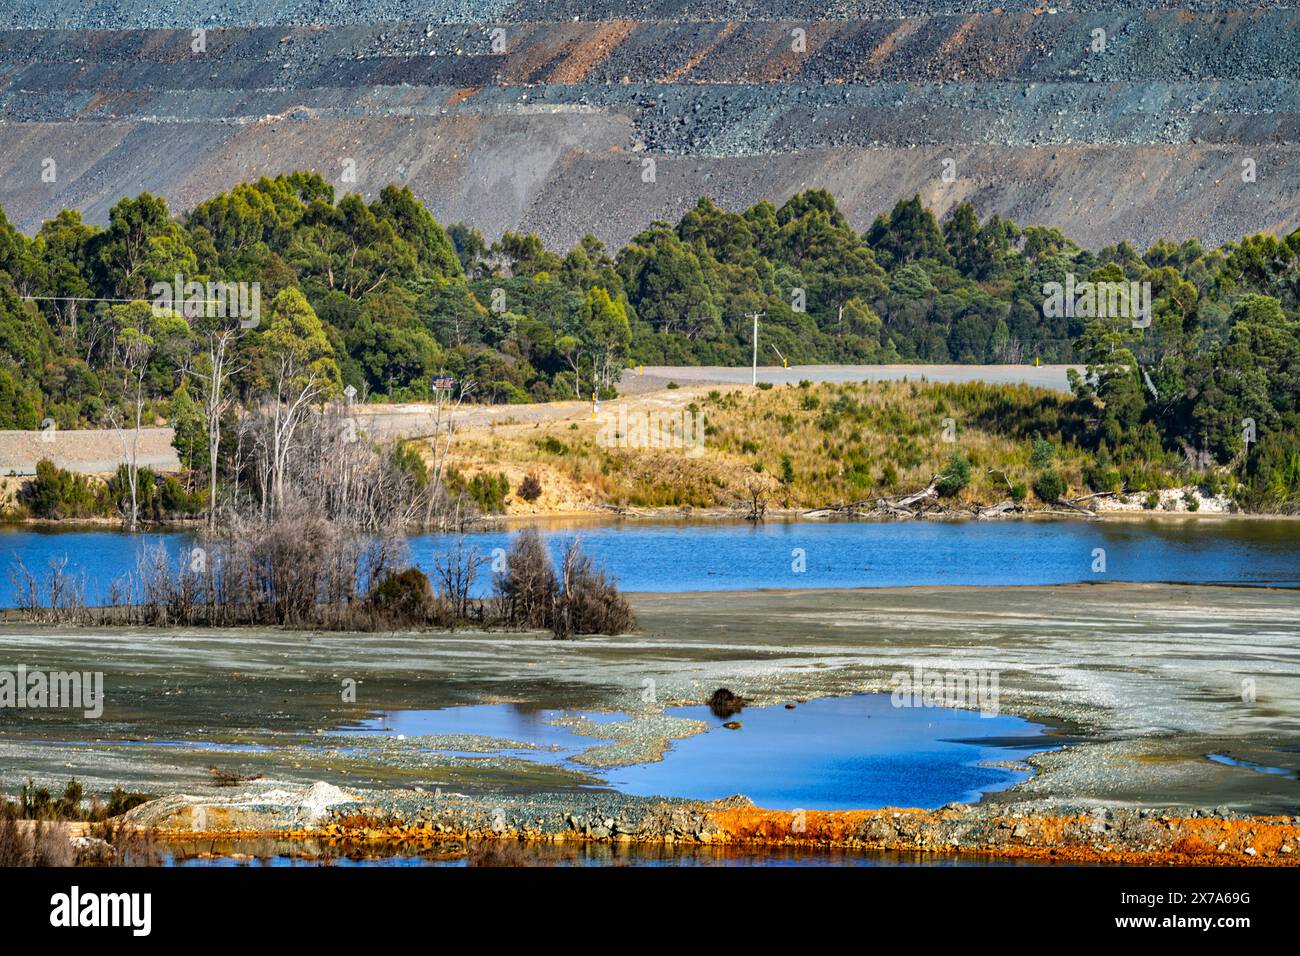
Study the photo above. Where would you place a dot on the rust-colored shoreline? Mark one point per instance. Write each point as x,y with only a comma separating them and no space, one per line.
1067,839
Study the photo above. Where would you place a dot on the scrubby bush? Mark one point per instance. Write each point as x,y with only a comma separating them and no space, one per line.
1100,478
582,599
530,489
43,841
55,493
954,477
175,500
589,602
402,598
36,802
1049,487
39,845
527,587
489,491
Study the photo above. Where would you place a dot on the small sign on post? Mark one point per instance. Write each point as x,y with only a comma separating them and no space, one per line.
444,384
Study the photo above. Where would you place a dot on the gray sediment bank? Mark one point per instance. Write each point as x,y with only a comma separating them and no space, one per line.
1148,680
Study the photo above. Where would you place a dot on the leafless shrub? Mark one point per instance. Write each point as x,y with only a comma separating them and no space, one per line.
456,572
589,602
131,845
494,853
298,570
57,596
26,592
583,600
13,842
327,466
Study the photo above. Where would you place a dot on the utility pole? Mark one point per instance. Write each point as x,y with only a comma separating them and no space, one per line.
755,316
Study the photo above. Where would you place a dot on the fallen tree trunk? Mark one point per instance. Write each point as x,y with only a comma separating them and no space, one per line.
852,508
1097,494
924,495
1065,502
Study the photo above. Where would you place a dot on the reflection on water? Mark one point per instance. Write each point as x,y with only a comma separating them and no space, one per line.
1228,761
545,742
280,853
737,556
835,753
841,753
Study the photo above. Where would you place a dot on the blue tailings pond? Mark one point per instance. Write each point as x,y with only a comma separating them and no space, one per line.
835,753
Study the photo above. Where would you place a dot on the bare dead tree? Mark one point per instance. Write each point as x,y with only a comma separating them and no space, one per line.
134,351
456,572
216,401
444,432
296,387
757,488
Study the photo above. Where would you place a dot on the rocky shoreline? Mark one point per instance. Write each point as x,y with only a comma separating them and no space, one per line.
415,820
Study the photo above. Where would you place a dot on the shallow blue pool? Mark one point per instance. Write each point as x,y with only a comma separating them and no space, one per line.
836,753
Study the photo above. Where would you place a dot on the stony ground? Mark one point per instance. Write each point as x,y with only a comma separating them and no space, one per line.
1140,682
1147,681
454,824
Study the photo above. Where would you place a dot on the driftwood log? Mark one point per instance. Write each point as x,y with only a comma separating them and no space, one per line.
998,510
916,504
1070,505
925,503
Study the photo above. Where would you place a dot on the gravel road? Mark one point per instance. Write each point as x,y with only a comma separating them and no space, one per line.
88,451
658,376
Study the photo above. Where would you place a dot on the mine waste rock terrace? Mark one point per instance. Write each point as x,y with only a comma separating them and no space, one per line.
740,102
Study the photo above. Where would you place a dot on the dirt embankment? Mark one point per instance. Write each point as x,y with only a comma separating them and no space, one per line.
706,448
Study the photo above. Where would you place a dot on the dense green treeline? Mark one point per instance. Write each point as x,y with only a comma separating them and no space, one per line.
381,297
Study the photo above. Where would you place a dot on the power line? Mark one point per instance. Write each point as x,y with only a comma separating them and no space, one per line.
81,298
